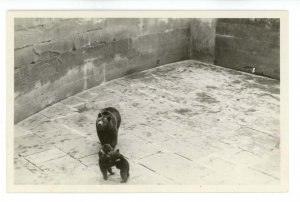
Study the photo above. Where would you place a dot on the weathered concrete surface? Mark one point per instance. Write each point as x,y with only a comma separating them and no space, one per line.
57,58
202,44
242,43
182,123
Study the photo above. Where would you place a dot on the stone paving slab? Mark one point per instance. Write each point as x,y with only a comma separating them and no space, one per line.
144,148
20,131
175,167
268,163
62,165
73,101
44,156
27,173
182,123
81,124
86,95
90,160
30,144
185,149
56,110
144,176
79,147
57,135
218,164
36,123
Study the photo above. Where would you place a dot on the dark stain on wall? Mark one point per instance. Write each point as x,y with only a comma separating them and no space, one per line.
244,44
55,58
202,42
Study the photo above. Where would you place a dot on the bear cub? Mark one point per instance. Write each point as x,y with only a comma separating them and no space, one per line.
121,163
107,126
109,158
105,161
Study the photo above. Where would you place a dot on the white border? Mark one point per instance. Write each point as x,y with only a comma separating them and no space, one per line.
294,82
283,15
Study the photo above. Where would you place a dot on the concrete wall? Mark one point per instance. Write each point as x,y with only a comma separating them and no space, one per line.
56,58
202,43
242,43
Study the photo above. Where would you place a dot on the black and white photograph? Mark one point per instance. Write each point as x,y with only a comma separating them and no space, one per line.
134,99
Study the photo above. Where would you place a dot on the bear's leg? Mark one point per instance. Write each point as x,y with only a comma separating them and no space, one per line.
110,171
104,172
124,176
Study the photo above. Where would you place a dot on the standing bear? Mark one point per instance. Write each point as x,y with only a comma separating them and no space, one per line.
109,158
107,125
105,162
121,163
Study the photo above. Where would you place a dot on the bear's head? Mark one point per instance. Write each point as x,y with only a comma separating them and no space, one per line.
106,148
115,155
104,119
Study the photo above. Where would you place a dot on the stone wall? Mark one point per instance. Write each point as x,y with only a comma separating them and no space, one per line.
246,43
202,45
56,58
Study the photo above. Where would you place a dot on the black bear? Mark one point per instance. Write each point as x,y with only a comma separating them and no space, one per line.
107,125
105,164
121,163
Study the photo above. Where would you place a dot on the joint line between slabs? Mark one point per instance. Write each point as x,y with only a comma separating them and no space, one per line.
147,167
261,132
262,172
183,157
34,165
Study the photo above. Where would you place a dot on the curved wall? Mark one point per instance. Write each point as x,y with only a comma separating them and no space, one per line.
56,58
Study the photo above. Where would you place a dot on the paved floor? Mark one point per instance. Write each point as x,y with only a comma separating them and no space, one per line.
183,123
